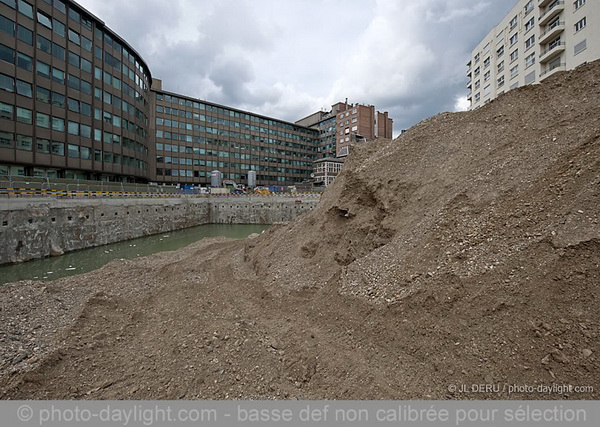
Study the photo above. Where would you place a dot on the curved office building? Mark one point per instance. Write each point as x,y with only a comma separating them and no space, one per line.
74,96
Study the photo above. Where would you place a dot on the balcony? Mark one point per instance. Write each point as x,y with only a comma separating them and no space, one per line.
543,3
561,66
552,31
551,11
551,52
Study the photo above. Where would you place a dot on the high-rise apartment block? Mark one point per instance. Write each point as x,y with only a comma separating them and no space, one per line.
347,123
535,40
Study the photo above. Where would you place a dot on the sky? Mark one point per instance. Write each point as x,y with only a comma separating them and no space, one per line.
290,58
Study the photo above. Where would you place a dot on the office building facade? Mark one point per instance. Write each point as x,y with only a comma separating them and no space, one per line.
74,96
192,138
535,40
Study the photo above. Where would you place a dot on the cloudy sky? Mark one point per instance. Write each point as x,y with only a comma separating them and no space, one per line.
289,58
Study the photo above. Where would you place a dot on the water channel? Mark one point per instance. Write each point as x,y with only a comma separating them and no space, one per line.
85,260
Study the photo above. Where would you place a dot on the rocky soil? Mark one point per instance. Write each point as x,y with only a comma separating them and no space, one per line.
466,251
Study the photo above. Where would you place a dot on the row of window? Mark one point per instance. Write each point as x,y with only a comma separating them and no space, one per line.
45,146
223,132
221,111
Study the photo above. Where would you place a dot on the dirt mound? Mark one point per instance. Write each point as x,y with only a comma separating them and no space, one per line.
464,252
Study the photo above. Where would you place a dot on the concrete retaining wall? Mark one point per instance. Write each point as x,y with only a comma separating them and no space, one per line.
39,227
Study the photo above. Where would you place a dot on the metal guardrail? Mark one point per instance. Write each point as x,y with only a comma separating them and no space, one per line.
44,187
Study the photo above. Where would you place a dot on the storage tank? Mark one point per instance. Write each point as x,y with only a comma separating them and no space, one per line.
251,179
216,178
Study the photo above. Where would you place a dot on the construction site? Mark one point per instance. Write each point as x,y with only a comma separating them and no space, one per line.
466,251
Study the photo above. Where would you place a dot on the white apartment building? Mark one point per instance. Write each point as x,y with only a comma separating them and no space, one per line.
535,40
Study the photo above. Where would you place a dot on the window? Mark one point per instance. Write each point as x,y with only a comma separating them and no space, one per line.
501,66
58,27
487,90
6,139
44,19
514,55
530,78
477,58
85,153
86,43
513,22
578,4
7,26
58,51
24,115
530,42
530,24
528,7
486,62
24,89
85,131
74,15
74,59
514,71
10,3
73,128
6,111
486,76
7,83
500,51
58,75
24,143
43,44
86,65
58,4
58,100
501,81
42,94
73,82
43,69
26,9
477,71
580,47
7,54
86,109
42,145
25,62
580,24
74,37
42,120
73,150
25,35
514,38
58,148
73,105
58,124
530,60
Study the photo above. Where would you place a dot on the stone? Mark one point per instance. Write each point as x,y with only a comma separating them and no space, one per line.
586,352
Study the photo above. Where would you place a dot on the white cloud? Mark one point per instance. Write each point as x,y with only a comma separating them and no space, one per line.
287,59
462,104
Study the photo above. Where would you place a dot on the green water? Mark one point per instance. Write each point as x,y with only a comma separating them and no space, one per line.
93,258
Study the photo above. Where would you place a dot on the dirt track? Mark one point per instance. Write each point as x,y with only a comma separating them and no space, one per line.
467,251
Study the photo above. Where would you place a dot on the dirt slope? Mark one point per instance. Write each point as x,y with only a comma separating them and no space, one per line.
467,251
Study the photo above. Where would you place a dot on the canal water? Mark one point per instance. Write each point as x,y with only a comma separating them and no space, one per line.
85,260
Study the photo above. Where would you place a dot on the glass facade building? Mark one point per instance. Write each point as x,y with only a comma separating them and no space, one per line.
74,96
78,102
